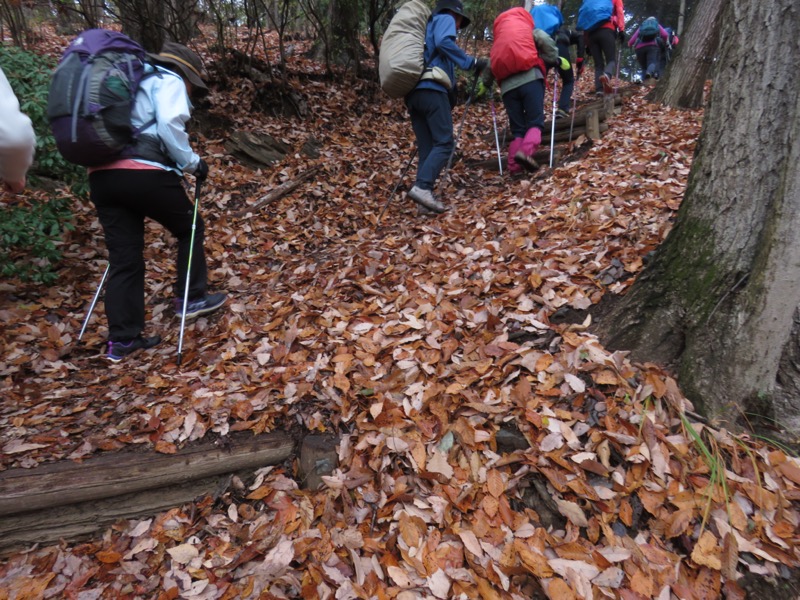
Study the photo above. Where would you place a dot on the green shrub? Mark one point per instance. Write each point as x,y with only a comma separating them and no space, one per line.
30,239
30,235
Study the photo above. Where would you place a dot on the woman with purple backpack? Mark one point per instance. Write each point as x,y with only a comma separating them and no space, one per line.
648,42
148,184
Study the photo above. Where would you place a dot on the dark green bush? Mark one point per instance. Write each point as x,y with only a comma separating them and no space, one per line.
29,239
30,235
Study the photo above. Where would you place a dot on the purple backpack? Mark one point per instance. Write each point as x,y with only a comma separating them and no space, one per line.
92,94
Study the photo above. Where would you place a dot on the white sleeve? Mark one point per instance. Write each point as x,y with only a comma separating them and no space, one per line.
17,139
172,109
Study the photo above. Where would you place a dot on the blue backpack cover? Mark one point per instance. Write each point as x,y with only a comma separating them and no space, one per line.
547,18
91,96
594,13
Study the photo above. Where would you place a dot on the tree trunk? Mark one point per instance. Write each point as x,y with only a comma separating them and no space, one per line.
142,20
687,72
719,300
181,21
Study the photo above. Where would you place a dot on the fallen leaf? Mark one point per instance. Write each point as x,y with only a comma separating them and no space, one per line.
183,553
706,551
573,512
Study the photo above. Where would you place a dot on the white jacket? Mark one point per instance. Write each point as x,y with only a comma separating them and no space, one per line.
163,97
17,140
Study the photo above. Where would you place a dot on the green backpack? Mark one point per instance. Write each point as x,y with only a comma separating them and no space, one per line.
649,29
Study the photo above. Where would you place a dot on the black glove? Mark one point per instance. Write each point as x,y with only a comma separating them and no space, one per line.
201,172
621,36
481,64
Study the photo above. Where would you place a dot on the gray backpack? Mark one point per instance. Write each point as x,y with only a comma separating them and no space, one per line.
402,53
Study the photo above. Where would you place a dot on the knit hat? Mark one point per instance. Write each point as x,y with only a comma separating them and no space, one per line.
185,61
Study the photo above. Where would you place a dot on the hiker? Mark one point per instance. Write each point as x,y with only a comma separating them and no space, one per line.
17,140
519,59
649,42
666,52
603,22
127,191
430,103
564,39
549,19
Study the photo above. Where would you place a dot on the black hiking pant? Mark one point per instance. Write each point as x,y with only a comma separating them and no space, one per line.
603,48
123,198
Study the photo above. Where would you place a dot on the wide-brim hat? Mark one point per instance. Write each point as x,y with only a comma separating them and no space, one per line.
454,6
187,63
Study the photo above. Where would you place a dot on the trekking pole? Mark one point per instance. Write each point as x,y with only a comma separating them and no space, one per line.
94,301
461,127
198,182
616,76
553,127
496,137
397,185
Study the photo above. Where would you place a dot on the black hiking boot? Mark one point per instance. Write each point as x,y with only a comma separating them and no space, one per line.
201,306
119,349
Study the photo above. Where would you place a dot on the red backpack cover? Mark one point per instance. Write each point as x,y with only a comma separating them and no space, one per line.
514,50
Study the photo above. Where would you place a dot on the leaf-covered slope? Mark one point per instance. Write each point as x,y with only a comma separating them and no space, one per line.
417,341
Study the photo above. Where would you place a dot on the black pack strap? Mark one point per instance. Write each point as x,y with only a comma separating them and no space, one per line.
139,130
150,147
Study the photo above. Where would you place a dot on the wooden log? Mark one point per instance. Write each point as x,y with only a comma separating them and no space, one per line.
542,156
563,136
278,193
255,149
77,521
118,473
593,125
608,105
564,124
64,499
580,119
318,457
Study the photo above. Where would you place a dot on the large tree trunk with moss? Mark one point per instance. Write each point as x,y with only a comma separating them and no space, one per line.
719,300
687,72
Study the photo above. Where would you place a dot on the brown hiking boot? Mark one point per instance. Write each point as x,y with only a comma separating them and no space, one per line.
605,81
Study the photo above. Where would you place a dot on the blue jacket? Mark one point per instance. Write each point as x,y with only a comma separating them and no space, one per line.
442,51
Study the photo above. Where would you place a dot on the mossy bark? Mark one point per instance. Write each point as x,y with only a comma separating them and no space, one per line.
719,301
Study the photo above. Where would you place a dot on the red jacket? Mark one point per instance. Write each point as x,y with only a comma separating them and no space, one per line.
617,21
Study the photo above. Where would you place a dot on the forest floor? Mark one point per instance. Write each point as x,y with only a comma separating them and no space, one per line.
415,341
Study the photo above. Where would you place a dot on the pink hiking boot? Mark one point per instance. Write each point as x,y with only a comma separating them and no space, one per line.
530,144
